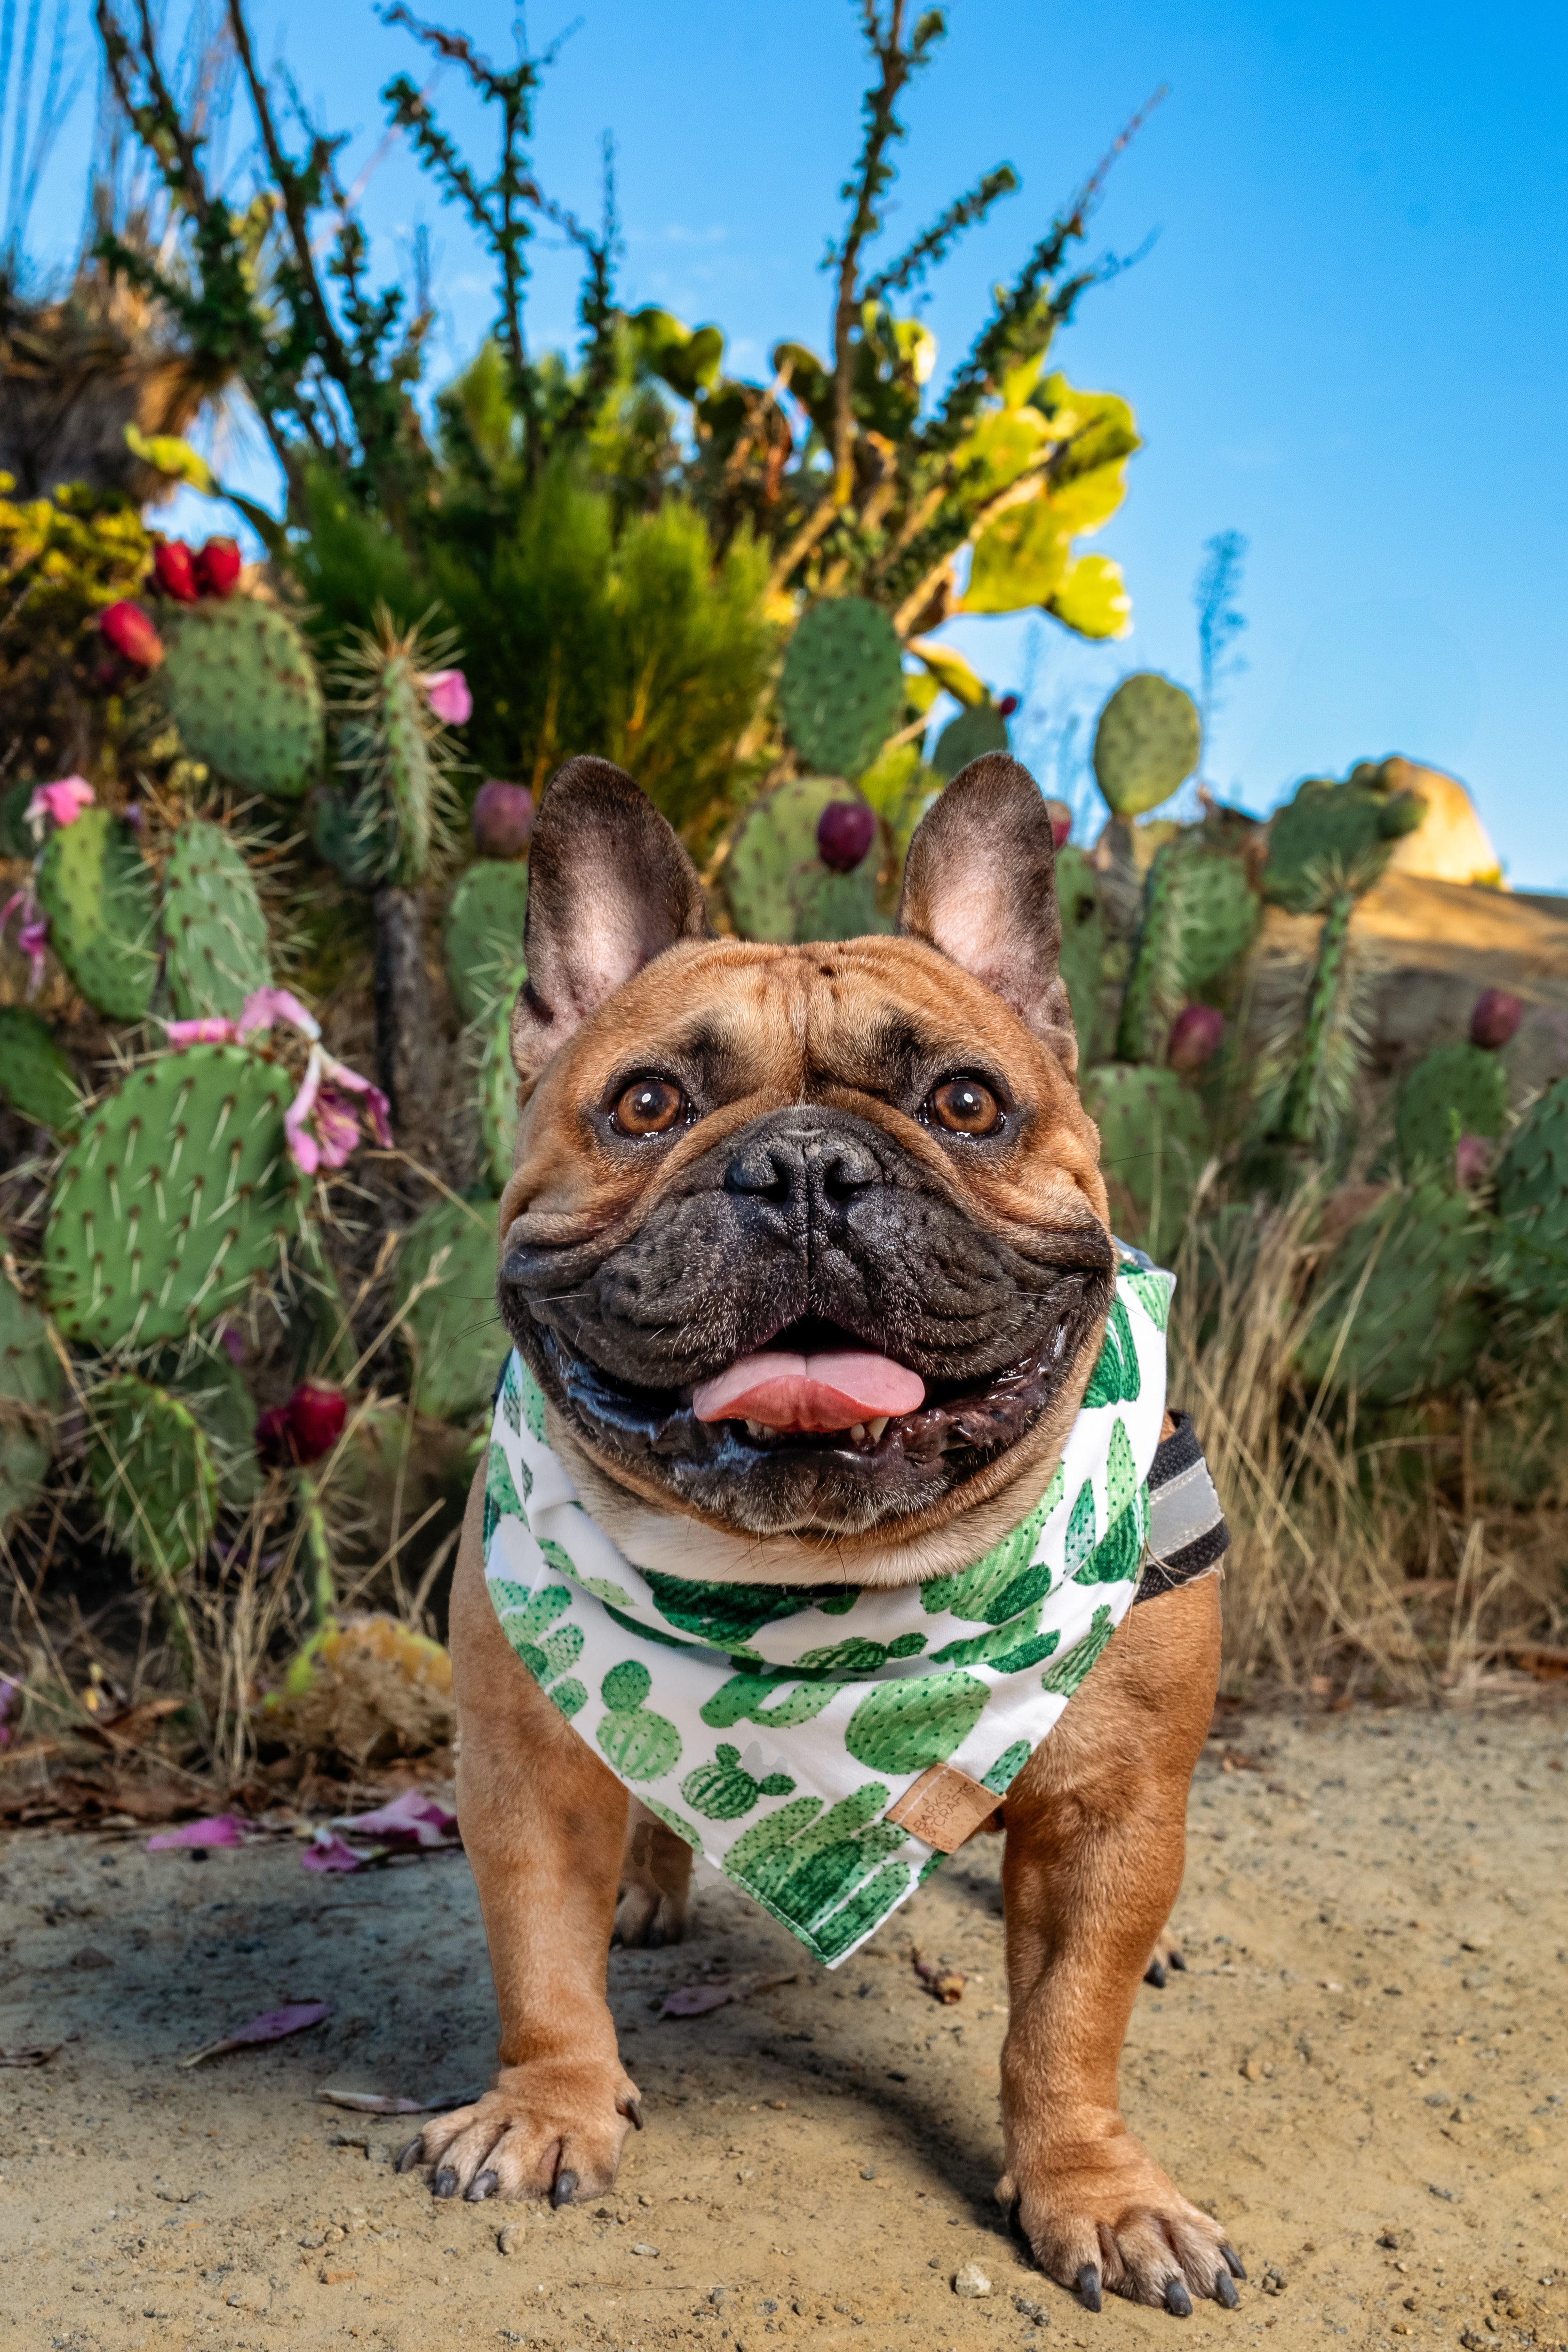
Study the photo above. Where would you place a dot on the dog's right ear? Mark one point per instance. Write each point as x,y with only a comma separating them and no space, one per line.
609,887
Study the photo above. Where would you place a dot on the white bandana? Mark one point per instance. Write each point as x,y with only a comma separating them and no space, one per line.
773,1726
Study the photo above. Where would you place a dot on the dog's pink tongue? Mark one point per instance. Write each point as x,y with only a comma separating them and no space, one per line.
827,1392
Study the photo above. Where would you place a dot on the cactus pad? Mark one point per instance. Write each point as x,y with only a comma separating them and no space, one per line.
842,688
1147,743
239,683
214,924
1329,831
96,890
1083,945
178,1195
724,1789
1532,1204
1415,1327
35,1079
1456,1090
636,1743
151,1471
1199,913
905,1726
450,1327
483,934
30,1393
548,1650
974,732
1153,1139
778,886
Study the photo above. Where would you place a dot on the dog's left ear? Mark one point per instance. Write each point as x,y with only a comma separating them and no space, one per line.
609,887
979,887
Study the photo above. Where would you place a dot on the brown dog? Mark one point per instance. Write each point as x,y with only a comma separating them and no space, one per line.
719,1142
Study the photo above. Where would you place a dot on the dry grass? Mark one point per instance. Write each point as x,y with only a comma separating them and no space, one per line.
1365,1557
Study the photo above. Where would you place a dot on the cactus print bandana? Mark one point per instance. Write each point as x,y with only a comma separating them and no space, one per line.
775,1726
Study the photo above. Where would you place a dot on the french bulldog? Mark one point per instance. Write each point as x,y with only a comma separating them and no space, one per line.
747,1173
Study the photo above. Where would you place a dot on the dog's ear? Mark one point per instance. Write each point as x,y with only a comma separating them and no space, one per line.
980,887
609,887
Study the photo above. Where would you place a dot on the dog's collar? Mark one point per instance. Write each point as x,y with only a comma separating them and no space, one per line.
870,1732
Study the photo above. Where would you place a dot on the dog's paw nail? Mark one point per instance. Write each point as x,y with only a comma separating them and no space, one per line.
1233,2261
565,2183
1176,1961
483,2184
1089,2286
1155,1974
1224,2293
409,2156
445,2183
1178,2302
633,2112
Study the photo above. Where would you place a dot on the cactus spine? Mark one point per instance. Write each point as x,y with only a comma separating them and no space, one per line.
239,683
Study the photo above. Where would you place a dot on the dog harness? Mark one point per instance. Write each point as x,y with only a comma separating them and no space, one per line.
826,1746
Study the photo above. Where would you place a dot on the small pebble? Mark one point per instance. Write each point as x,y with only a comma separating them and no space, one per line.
509,2240
640,2249
971,2281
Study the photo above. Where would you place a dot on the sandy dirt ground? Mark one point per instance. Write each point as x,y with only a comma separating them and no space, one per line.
1363,2071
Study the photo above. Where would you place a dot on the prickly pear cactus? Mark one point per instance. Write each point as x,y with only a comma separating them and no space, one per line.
1319,1093
35,1079
974,732
96,890
1532,1204
723,1789
30,1395
1415,1327
1083,945
239,681
635,1742
446,1282
178,1196
1153,1139
213,923
777,886
482,939
1456,1089
1200,914
151,1471
842,687
1330,835
1148,741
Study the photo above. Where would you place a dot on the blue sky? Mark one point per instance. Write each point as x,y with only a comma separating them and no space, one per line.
1346,339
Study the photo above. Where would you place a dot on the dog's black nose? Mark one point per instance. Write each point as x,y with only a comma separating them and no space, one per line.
803,1166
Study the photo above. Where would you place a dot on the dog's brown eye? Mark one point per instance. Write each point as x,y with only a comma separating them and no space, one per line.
649,1106
965,1106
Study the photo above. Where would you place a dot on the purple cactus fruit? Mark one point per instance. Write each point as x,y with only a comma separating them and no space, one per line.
1472,1162
1496,1017
503,818
1196,1035
845,832
1061,822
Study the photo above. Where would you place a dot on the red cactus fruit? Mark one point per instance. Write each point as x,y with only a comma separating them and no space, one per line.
217,567
1472,1162
845,832
1495,1019
175,571
302,1431
1196,1035
503,818
1061,823
1006,707
126,627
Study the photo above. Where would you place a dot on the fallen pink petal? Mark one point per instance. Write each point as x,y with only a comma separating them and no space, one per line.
265,1007
218,1829
421,1819
447,691
327,1852
695,2001
383,2102
272,2025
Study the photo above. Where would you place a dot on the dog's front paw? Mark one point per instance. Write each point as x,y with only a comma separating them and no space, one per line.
1165,1956
1100,2214
552,2128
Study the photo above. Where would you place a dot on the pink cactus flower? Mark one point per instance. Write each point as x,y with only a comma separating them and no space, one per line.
33,935
267,1006
322,1122
63,802
211,1029
447,690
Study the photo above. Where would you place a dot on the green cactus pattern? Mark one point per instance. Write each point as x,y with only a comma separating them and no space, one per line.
723,1790
35,1079
1006,1580
842,687
214,926
1456,1089
1147,742
1081,1529
724,1615
1115,1379
96,890
501,1498
755,1698
1007,1767
1009,1648
1153,1291
1120,1553
801,1863
637,1743
31,1380
240,685
1072,1668
905,1726
177,1197
527,1619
